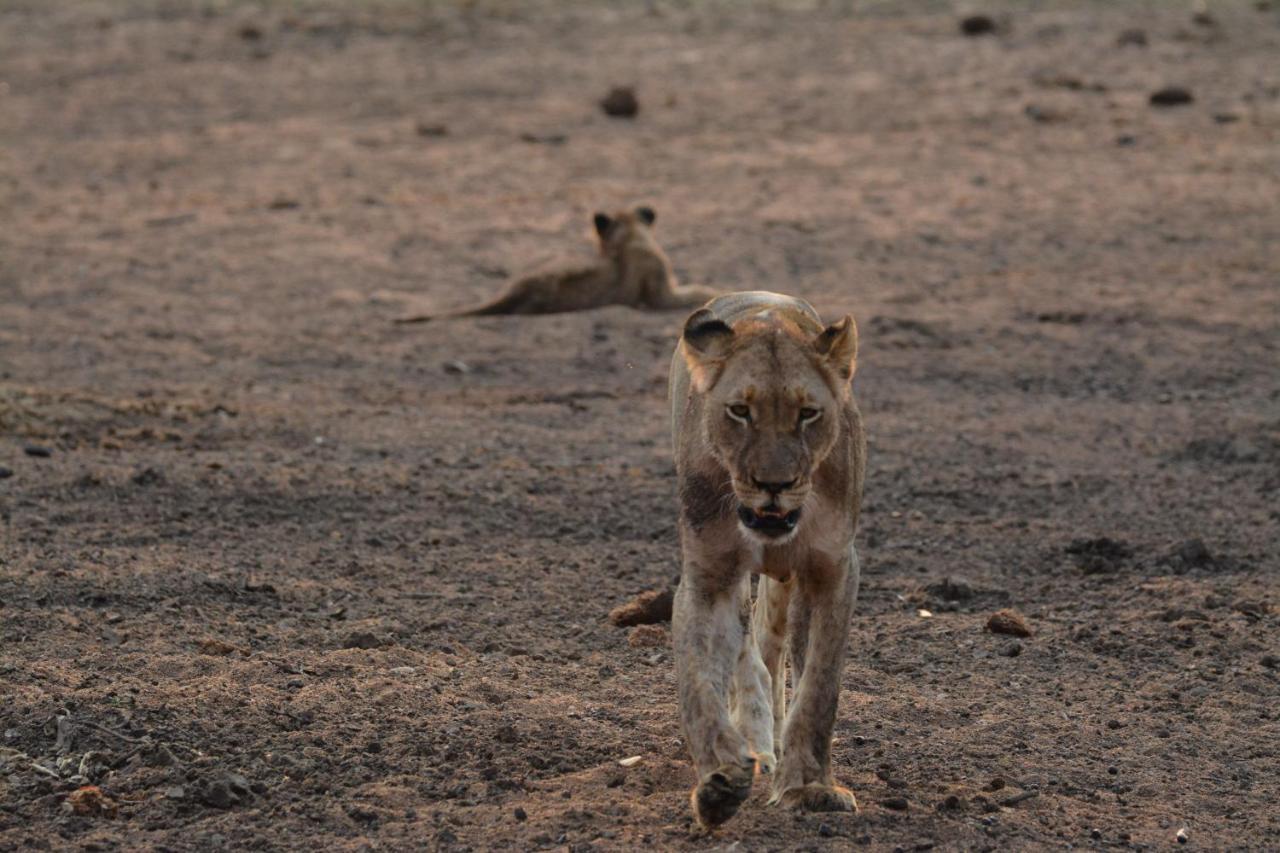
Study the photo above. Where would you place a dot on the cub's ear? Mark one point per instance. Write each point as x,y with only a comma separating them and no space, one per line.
704,342
603,223
646,214
838,343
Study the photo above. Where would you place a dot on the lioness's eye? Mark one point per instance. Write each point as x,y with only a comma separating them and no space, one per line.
739,411
808,415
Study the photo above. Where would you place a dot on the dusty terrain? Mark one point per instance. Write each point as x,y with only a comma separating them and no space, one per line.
290,576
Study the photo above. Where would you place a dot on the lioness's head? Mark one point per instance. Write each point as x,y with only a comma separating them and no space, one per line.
774,398
616,229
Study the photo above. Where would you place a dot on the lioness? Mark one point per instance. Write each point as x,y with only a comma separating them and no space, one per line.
632,270
770,454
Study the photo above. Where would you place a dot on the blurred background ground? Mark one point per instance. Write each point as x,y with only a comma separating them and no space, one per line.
276,572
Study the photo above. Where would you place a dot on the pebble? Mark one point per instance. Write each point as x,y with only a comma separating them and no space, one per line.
425,129
621,102
360,640
1009,622
1171,96
5,473
977,25
898,804
456,367
37,451
177,792
1012,650
521,814
825,831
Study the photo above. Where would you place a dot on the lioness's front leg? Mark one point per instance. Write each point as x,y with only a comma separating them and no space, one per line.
708,635
821,605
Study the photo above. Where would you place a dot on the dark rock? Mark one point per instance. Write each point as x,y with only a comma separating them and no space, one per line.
1171,96
425,129
951,588
825,831
1098,556
283,204
147,477
521,814
977,25
621,102
544,138
1012,650
37,451
1126,140
1132,38
898,804
5,473
1191,554
250,32
361,640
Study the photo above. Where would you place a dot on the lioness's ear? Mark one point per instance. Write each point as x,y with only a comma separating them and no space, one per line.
704,341
706,334
838,343
646,214
603,222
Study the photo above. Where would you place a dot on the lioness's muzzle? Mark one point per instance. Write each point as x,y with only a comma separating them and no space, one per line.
770,521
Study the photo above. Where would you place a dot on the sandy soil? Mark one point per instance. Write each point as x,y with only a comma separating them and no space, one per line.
293,577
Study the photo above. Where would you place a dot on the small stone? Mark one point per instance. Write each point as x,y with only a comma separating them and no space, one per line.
425,129
1095,834
1126,140
1114,724
37,451
1171,96
361,640
897,804
521,814
951,588
825,831
977,25
1113,770
456,367
1132,38
147,477
284,204
621,102
1012,650
1193,554
5,473
1226,118
176,792
1270,661
1009,622
647,608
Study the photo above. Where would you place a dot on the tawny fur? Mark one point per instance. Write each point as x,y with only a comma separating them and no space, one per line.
763,419
632,270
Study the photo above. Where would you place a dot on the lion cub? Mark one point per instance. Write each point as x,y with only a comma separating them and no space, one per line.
632,270
770,452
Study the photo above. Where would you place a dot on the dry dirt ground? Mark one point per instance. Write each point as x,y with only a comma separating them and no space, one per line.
293,577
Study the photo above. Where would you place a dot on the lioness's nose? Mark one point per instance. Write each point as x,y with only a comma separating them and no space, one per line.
772,488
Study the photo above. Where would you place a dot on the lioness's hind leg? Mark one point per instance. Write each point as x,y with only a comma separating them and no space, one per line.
750,705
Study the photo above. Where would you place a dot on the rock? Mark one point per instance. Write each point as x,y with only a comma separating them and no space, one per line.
825,831
425,129
457,368
90,801
250,32
361,640
1171,96
544,138
647,608
1126,140
227,791
898,804
648,637
283,204
521,814
1009,622
1132,38
977,25
212,646
951,588
37,451
1191,554
1098,556
1270,661
621,102
1012,650
5,473
1043,115
147,477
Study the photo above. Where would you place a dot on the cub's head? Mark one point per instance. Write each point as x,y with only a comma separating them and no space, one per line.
614,231
774,399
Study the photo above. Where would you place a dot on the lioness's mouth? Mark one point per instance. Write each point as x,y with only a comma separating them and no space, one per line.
769,521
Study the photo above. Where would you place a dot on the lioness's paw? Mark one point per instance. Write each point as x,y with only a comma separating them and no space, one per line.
717,797
766,762
815,797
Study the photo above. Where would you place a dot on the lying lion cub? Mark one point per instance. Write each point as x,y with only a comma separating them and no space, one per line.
770,457
632,270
